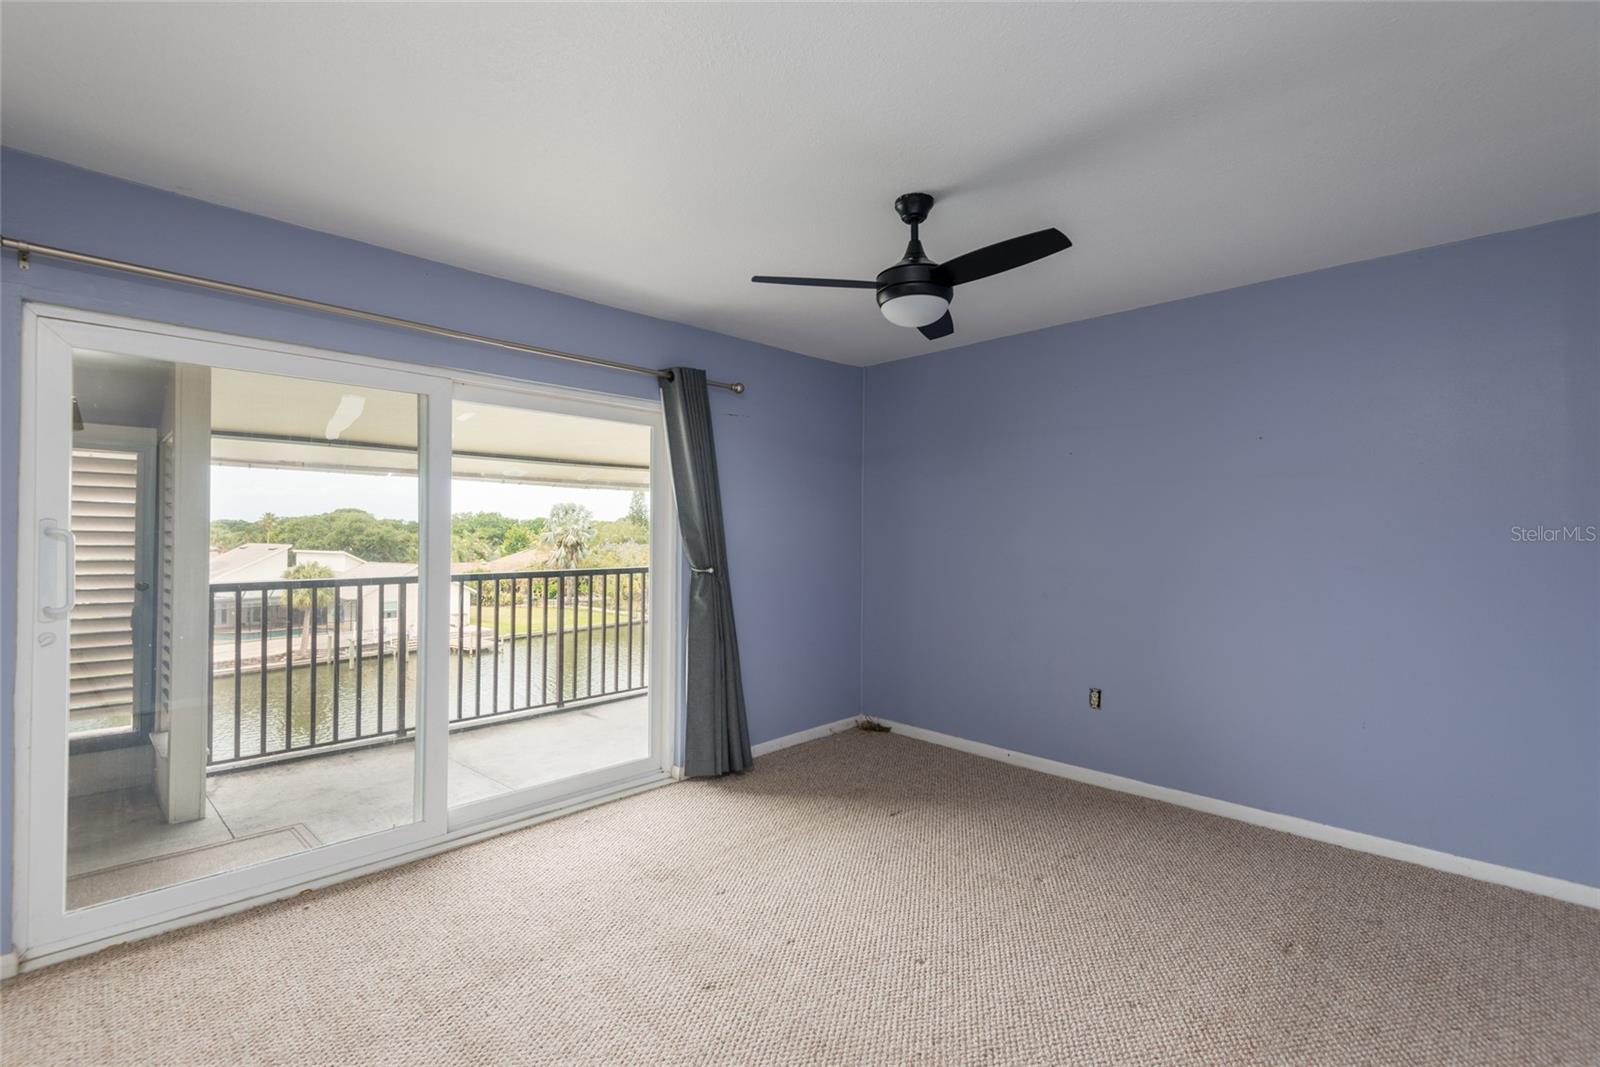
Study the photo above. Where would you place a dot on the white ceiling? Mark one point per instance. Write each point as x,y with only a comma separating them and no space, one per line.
654,157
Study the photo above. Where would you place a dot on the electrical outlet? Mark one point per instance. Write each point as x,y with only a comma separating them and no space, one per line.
1094,699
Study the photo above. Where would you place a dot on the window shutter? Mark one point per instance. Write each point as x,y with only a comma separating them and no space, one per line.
105,493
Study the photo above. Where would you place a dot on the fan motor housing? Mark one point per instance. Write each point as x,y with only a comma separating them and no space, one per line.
894,292
913,276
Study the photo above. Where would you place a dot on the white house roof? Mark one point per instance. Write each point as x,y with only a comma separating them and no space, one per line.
337,559
245,557
536,558
381,570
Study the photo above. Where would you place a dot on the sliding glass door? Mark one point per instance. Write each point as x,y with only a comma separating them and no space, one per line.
285,614
551,628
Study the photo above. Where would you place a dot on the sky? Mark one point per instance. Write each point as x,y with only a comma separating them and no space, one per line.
249,492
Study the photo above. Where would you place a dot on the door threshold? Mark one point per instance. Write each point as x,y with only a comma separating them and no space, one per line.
455,838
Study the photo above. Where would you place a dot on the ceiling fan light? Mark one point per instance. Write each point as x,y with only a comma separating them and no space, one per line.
915,309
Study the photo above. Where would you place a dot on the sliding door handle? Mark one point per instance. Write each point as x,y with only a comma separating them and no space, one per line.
48,530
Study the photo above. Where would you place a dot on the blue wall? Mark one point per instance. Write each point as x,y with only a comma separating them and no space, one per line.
789,449
1274,524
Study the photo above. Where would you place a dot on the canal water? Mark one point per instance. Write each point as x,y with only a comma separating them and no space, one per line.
522,673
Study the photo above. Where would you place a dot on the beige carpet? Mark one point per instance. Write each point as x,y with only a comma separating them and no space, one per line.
864,899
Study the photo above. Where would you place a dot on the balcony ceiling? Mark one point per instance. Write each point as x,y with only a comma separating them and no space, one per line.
274,421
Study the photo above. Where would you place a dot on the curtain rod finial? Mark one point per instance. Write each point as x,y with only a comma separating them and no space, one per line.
737,387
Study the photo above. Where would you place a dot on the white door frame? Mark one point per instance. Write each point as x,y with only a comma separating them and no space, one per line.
43,930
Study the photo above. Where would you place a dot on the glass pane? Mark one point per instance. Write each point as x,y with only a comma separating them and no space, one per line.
243,649
550,580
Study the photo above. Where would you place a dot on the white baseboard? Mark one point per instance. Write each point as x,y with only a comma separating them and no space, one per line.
1544,885
8,966
801,737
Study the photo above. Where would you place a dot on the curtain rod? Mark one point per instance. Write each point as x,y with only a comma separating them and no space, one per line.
26,248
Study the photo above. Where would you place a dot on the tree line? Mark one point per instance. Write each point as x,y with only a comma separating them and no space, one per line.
569,537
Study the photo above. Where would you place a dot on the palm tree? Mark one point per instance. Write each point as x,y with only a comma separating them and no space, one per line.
468,547
568,533
307,600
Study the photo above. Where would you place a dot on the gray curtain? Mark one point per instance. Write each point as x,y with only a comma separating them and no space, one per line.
717,739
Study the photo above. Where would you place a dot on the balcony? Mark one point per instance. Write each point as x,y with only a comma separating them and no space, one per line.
329,664
312,714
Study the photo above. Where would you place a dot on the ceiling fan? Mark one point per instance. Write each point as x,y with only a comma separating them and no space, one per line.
916,291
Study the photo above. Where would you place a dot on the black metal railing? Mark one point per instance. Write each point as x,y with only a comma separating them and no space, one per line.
310,664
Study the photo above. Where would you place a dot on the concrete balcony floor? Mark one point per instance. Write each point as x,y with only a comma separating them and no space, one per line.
118,845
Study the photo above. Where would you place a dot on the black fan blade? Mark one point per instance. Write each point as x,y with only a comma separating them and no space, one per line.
830,283
1017,252
935,330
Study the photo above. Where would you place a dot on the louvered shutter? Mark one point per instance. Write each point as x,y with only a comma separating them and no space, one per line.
105,491
168,482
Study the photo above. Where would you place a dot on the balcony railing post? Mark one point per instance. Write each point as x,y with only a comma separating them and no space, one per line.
494,682
461,642
238,675
211,675
511,670
288,669
338,625
477,656
544,641
261,743
527,663
402,653
311,620
383,610
561,640
361,641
